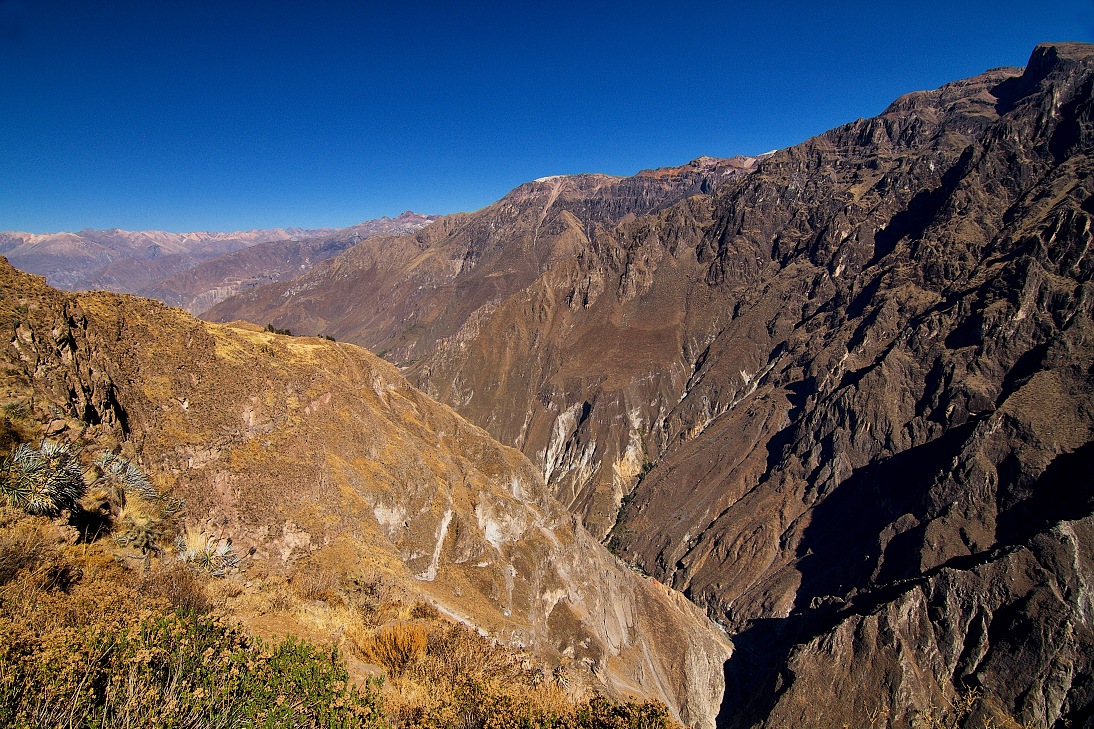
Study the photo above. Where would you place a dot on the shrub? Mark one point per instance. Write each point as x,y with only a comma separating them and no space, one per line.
42,481
21,546
144,515
130,478
179,587
457,651
313,583
398,647
174,671
600,713
140,528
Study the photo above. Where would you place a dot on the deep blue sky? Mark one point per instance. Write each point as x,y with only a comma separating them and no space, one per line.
223,115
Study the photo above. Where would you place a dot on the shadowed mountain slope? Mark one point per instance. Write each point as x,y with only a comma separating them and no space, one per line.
845,399
298,448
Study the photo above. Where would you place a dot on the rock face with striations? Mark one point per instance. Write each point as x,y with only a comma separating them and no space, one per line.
845,398
472,303
302,449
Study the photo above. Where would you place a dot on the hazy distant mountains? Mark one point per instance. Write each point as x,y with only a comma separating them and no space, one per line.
161,265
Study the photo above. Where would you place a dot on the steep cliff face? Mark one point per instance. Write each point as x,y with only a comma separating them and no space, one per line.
845,398
301,448
896,480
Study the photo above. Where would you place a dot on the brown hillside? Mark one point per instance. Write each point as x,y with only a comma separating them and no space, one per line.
304,451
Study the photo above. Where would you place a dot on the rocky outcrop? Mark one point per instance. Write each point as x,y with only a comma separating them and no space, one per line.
300,448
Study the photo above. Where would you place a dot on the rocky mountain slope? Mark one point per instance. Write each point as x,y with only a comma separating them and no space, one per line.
844,399
402,296
304,451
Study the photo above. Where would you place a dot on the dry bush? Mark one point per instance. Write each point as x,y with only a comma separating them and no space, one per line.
178,586
312,583
377,600
424,611
23,544
10,435
142,526
33,558
456,651
398,647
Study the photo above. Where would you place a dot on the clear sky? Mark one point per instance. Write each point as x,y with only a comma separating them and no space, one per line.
228,114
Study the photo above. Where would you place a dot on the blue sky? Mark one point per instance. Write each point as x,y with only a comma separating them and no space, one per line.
225,115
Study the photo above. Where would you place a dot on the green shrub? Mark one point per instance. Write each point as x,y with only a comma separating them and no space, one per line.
175,670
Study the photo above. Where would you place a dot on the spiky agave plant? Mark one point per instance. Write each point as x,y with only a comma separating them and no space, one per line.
131,478
42,481
144,519
206,553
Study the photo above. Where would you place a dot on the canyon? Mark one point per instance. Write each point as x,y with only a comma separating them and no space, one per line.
804,438
838,395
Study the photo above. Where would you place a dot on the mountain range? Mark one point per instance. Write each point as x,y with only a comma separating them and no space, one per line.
189,270
839,396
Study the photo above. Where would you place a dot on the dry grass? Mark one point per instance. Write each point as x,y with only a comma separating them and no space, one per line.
22,544
85,642
399,648
969,709
206,553
311,583
179,587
